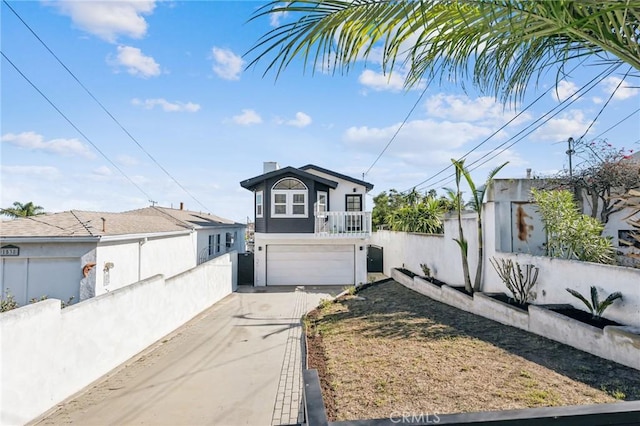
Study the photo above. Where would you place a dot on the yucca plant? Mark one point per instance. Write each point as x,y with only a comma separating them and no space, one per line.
595,306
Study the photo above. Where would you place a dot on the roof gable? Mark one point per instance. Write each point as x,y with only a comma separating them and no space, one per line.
250,184
367,185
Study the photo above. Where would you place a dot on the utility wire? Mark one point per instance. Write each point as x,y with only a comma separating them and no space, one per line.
496,132
605,104
74,126
569,101
104,108
406,118
618,123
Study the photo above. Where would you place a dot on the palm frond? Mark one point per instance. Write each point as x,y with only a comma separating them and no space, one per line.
581,297
500,45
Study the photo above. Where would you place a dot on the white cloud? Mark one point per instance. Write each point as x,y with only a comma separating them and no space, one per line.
463,108
275,18
35,142
625,91
420,141
166,105
597,100
377,81
564,91
108,19
127,160
301,120
226,64
31,171
570,124
247,118
136,62
103,171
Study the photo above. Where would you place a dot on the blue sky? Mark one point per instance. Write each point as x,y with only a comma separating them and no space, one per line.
173,74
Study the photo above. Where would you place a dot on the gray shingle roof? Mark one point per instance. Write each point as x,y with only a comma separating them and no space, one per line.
187,217
76,223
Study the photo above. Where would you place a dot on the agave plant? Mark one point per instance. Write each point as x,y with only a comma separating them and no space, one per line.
595,306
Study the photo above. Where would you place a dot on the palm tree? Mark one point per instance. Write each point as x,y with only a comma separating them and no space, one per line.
22,210
476,203
500,44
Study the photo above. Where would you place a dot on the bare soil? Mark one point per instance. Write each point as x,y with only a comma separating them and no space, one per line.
398,351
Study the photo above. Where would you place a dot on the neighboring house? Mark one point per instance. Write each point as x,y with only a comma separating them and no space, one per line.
58,254
520,229
216,235
311,227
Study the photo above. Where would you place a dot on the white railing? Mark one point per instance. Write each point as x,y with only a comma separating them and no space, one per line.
343,224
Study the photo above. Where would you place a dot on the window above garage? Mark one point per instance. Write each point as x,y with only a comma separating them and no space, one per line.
289,198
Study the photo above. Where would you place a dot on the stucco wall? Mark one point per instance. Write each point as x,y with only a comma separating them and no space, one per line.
440,252
554,277
49,354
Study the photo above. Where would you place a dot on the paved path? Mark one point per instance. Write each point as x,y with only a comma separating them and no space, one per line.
237,363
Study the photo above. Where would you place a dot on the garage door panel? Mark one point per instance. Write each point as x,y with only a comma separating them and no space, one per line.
310,265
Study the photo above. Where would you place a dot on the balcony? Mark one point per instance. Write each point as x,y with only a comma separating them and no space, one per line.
343,224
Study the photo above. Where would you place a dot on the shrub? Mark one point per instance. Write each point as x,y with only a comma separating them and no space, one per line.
571,235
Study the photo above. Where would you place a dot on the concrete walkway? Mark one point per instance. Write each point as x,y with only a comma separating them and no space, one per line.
237,363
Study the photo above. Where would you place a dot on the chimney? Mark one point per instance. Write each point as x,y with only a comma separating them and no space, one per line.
528,173
104,224
270,166
181,205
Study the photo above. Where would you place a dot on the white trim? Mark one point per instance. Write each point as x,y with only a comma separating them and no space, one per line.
261,195
289,204
318,204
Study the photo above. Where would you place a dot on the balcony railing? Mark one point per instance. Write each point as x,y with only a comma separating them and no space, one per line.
343,224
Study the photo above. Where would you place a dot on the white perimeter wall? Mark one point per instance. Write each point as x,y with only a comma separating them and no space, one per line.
440,252
48,354
442,255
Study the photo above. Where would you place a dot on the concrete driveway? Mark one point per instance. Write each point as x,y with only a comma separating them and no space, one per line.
237,363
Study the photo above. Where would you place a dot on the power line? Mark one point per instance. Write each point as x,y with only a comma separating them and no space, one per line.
73,125
104,108
605,104
497,131
406,118
619,122
571,99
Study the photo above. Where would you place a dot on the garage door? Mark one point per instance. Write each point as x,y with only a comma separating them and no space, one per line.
310,265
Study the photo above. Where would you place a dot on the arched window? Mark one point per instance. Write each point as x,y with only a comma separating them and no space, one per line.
289,198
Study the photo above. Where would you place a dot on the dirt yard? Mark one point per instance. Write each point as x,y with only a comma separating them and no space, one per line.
398,351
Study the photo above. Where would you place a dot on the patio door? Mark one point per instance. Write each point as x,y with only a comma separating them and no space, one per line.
353,203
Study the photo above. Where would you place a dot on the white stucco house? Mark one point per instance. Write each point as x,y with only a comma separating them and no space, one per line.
311,226
215,235
79,254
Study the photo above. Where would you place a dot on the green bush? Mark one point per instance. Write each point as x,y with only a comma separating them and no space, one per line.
570,234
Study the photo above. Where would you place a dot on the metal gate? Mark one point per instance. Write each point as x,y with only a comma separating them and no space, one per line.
245,269
374,259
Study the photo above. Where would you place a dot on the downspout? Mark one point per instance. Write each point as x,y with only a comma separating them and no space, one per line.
140,244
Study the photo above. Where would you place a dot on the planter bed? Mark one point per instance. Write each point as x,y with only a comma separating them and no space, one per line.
583,316
496,307
611,341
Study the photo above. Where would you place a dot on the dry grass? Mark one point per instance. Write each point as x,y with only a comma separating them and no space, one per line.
398,351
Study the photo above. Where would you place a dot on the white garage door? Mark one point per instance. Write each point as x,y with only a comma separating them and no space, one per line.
310,265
